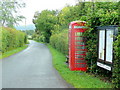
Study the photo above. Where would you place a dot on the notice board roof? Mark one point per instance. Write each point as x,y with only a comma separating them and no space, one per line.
107,27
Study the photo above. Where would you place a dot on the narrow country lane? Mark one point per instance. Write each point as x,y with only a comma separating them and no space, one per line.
31,68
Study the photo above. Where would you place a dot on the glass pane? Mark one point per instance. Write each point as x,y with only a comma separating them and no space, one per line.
80,47
79,38
80,65
109,45
80,43
101,44
78,34
80,61
80,52
79,56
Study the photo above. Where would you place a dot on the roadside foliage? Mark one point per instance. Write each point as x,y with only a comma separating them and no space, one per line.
11,39
60,41
116,70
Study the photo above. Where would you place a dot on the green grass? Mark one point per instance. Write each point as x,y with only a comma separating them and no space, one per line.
9,53
78,79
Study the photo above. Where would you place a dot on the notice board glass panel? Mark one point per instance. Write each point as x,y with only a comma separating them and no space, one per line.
101,44
109,45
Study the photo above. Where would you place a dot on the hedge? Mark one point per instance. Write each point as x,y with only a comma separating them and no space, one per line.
116,65
11,39
91,45
60,41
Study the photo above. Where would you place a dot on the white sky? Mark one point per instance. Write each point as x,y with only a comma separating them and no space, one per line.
38,5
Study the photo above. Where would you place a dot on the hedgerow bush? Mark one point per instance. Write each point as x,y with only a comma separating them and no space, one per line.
12,38
60,41
91,45
116,65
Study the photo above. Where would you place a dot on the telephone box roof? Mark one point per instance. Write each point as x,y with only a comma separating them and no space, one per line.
77,22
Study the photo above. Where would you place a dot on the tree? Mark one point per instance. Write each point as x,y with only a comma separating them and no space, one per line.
45,22
9,11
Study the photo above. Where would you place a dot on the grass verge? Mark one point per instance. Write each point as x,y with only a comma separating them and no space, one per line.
78,79
9,53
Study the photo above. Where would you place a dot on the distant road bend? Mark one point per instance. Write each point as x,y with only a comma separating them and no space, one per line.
31,68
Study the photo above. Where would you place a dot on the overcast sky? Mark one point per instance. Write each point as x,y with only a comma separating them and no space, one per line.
38,5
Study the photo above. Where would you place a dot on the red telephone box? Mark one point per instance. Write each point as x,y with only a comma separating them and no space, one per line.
77,49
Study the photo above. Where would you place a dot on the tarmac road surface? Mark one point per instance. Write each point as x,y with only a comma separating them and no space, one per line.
31,68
